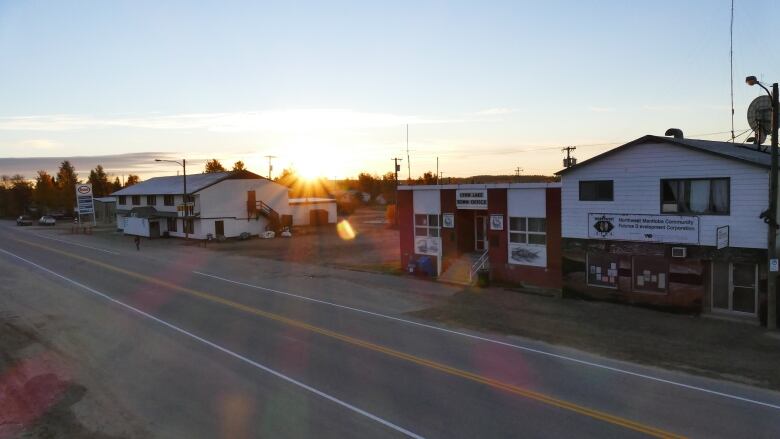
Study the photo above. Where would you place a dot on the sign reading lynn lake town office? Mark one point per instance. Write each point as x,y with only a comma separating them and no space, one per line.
471,199
671,229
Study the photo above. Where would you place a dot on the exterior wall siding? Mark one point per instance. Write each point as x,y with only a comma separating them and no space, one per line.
637,172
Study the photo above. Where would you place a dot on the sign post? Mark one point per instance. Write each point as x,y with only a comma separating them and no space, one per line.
85,204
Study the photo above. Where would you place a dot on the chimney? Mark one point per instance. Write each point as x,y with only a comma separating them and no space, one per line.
674,132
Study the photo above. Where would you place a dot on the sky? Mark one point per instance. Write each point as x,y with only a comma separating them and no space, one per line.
329,87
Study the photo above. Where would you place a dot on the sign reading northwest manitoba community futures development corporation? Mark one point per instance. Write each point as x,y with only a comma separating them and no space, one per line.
471,199
671,229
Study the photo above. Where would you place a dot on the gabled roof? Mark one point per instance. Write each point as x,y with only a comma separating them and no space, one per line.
734,151
174,185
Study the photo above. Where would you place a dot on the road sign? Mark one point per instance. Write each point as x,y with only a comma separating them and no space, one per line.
773,265
84,203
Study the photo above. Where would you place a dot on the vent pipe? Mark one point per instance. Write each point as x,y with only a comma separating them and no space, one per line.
674,132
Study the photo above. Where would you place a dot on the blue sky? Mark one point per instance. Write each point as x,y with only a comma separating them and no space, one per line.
329,86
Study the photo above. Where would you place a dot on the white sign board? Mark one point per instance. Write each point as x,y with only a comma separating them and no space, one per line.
673,229
424,245
773,265
475,199
84,204
722,237
528,254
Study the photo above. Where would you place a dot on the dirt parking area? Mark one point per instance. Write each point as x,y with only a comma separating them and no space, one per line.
374,247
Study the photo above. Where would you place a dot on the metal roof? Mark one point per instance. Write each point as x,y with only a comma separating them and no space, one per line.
734,151
174,185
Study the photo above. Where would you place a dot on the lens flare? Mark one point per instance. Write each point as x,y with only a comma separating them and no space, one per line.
345,231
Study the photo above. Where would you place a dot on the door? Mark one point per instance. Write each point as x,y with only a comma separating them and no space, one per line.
480,233
735,287
154,229
219,228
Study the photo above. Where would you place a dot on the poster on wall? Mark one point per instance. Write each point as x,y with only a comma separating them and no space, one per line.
528,254
496,222
448,220
673,229
426,245
474,199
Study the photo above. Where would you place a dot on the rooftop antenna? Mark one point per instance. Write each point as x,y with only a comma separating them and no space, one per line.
759,116
731,63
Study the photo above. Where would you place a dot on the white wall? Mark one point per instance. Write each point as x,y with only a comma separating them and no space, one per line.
427,201
300,212
527,202
227,199
637,171
136,226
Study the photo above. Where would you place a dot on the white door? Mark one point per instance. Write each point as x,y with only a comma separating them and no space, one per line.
480,233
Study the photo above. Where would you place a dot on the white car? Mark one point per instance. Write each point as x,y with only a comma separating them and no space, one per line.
47,220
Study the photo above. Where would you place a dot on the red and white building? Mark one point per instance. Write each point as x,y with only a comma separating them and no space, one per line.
512,229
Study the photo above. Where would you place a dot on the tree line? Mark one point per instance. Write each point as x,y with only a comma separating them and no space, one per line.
54,194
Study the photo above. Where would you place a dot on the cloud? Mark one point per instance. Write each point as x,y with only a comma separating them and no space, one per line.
121,164
496,111
274,120
39,144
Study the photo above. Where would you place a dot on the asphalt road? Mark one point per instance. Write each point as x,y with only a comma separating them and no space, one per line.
196,344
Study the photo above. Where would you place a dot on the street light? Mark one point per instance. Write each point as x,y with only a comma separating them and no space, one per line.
183,164
771,218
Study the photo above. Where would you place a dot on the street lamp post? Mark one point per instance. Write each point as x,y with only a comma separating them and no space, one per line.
771,280
183,164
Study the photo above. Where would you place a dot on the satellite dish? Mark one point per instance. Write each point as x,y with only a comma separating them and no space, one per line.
759,116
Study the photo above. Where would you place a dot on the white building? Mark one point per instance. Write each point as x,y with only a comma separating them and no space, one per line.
669,221
313,211
221,204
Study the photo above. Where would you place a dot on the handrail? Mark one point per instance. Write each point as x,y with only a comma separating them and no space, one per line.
479,264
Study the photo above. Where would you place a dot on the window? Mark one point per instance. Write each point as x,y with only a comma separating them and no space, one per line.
527,230
168,200
189,226
151,200
596,190
122,199
704,196
602,269
136,200
426,225
650,274
171,224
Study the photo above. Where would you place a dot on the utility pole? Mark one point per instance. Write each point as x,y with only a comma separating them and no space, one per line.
270,166
437,171
770,216
771,284
396,168
408,161
569,161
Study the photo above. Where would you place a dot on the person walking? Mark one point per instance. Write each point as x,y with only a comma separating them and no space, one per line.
137,240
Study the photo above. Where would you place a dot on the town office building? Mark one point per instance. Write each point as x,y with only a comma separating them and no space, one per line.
221,204
514,227
669,221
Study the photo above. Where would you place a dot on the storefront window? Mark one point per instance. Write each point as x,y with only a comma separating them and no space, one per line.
650,274
426,225
602,270
527,230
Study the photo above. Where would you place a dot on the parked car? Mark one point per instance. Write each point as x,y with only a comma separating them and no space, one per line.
47,220
24,220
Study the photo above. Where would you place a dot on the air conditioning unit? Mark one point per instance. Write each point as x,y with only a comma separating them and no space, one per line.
679,252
